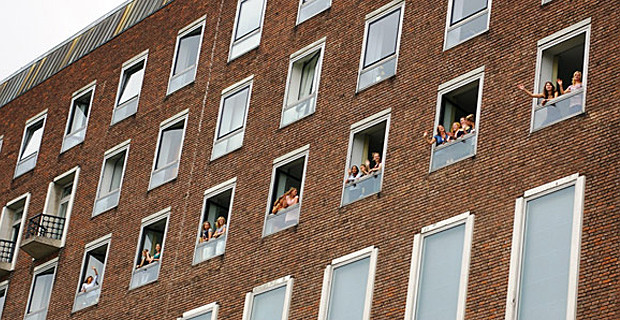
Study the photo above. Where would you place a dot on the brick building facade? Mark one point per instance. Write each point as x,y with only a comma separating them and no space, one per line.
206,109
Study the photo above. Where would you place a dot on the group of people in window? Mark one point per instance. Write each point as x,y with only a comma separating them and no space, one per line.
147,258
364,169
459,129
207,233
550,92
288,199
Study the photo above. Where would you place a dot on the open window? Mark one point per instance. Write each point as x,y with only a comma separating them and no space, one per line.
348,284
215,221
304,74
79,113
310,8
4,287
207,312
111,178
367,149
12,224
286,191
186,53
31,142
92,275
563,55
270,301
168,153
150,249
546,241
129,87
458,101
439,270
465,20
233,114
1,141
381,44
248,27
41,290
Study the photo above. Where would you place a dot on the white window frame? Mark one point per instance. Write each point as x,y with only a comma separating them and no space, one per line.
76,95
369,19
582,27
231,90
1,141
517,242
181,116
48,199
156,217
303,152
4,285
272,285
256,33
464,21
213,307
371,252
6,210
42,116
37,270
323,5
200,23
129,64
416,255
209,193
307,51
114,151
105,240
358,127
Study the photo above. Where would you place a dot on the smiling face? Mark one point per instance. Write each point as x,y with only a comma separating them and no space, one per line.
89,280
376,157
293,192
577,76
456,126
463,122
441,129
548,86
157,247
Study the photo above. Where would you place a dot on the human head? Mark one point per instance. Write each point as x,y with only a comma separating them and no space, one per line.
549,90
220,222
576,77
206,225
470,119
354,169
463,122
89,279
158,247
364,166
456,126
440,129
292,191
376,157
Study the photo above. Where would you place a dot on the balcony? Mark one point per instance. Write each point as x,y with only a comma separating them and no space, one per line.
298,110
454,151
7,248
43,236
86,299
377,72
145,275
209,249
362,187
282,220
558,109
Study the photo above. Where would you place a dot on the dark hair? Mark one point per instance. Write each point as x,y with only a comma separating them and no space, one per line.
356,169
549,95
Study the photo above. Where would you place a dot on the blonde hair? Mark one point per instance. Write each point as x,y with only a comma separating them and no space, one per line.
220,222
580,76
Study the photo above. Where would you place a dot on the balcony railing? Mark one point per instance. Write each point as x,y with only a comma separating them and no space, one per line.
451,152
6,251
282,219
362,187
86,299
145,275
43,225
209,249
558,109
299,109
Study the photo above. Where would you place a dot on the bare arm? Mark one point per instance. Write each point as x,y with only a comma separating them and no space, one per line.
561,87
533,95
429,141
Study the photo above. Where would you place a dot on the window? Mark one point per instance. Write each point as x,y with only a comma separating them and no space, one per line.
129,87
286,191
310,8
248,27
31,141
562,55
270,301
1,141
367,149
215,221
465,20
208,312
12,223
345,294
233,112
544,263
168,153
111,178
439,270
304,74
78,117
4,286
41,290
458,101
381,44
185,62
150,250
92,275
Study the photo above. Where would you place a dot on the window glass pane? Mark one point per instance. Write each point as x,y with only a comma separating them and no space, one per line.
117,172
440,272
382,38
132,81
462,9
348,291
170,145
41,290
250,13
308,70
233,112
546,256
32,141
79,113
187,51
2,298
268,305
204,316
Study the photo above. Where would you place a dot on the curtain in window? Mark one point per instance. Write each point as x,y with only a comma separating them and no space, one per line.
382,38
306,85
348,291
32,139
170,145
40,295
233,112
268,305
132,81
250,13
187,52
80,112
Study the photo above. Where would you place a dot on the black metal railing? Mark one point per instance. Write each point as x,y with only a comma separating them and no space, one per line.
6,250
44,225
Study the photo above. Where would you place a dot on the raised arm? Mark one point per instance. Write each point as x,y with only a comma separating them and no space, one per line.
428,140
533,95
561,87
